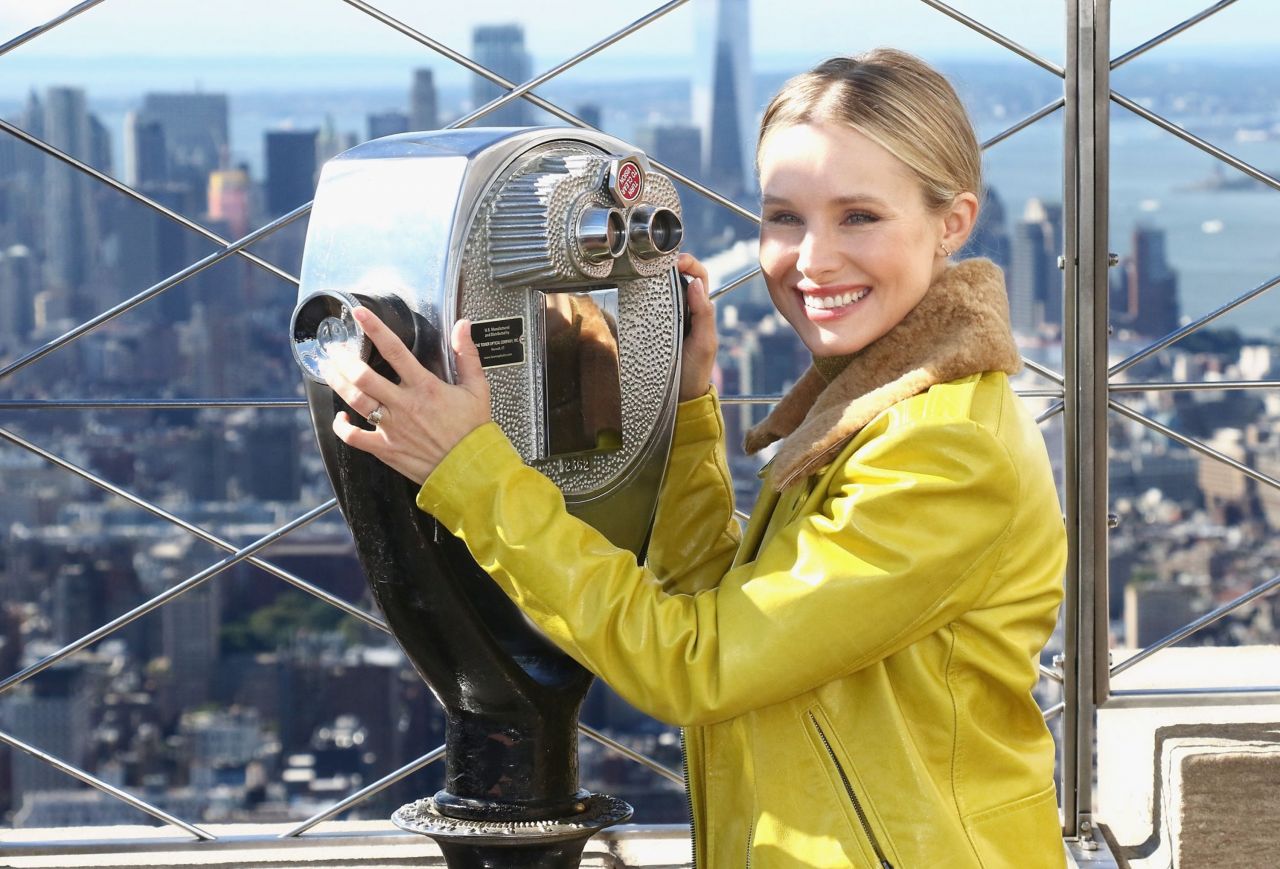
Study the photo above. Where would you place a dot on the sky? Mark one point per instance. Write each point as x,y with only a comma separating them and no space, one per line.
782,30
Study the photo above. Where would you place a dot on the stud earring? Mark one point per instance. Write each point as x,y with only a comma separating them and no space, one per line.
946,251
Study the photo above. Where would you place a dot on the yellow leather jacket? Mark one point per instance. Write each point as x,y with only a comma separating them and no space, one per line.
853,672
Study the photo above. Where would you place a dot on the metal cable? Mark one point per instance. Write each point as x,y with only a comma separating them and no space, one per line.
155,290
1179,334
1170,33
735,283
1192,139
978,26
155,510
40,30
1199,386
93,781
521,90
165,596
1193,444
102,177
364,793
150,404
551,108
751,399
1047,373
1025,122
1052,411
637,757
1203,622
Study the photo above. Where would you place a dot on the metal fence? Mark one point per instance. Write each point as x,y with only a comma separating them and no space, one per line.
1084,392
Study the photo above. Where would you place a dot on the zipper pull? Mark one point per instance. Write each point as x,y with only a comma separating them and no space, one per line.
764,469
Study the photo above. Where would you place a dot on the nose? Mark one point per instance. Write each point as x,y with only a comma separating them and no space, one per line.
818,257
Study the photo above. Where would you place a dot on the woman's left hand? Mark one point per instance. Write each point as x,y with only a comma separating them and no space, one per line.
422,418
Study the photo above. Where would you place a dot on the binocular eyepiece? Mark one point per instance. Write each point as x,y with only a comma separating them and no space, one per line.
325,330
602,234
654,231
650,232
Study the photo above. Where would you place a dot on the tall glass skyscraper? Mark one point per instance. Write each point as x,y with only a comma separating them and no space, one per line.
423,111
723,105
500,48
291,169
68,210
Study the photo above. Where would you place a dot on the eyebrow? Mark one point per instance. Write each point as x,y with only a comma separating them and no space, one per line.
852,199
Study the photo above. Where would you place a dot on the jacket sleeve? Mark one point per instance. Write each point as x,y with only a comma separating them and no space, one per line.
902,545
695,535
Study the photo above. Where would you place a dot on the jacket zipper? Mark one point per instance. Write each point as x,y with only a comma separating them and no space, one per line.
853,797
688,795
751,835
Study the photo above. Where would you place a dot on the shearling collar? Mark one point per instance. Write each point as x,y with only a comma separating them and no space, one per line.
960,327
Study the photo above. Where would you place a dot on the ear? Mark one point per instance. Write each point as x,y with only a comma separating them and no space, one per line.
959,219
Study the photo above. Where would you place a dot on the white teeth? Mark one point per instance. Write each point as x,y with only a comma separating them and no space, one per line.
834,301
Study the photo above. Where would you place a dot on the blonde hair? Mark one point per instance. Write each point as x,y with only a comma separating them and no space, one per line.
899,102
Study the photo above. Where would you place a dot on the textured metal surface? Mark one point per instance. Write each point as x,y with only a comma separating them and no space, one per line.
599,811
541,192
529,220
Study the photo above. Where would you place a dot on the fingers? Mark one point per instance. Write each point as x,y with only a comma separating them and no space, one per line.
398,356
352,435
699,301
690,265
470,370
345,378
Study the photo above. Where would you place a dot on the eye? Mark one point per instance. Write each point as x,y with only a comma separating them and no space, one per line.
782,218
860,217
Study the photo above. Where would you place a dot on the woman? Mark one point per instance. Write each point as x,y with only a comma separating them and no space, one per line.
854,671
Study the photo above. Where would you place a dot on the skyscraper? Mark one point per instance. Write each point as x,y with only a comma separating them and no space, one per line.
589,112
1153,285
29,161
500,48
722,101
291,169
387,124
68,210
423,108
146,159
1034,280
52,712
17,292
990,237
680,147
229,191
189,631
195,131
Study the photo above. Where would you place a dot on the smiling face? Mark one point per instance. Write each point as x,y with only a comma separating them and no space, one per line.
847,244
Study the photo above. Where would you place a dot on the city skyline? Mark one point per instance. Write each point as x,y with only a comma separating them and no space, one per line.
73,556
210,40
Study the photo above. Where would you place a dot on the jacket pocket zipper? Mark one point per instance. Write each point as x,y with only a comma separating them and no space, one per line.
853,797
688,793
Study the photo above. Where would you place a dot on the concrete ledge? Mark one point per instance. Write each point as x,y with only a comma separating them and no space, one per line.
341,845
1223,788
334,845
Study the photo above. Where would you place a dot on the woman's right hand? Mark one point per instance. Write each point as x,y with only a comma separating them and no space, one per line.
699,356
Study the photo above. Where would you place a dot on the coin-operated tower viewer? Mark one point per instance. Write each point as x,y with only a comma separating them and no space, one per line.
559,246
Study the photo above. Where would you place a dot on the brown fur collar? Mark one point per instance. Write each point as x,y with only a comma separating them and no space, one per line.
960,327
